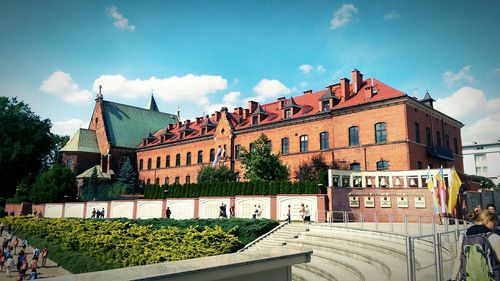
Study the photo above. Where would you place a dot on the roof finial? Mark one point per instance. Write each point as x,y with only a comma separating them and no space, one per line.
99,95
179,114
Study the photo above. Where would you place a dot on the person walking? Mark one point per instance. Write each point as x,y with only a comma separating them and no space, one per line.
9,264
259,212
302,212
289,214
15,243
45,254
168,212
102,213
307,216
93,214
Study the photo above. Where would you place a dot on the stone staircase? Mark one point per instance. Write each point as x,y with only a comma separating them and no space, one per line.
341,253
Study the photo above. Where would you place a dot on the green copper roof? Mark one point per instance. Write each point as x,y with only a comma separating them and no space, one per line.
83,140
100,174
127,125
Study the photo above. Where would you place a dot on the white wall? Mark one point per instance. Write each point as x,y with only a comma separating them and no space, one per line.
98,207
282,203
245,206
182,209
122,209
469,164
149,209
73,210
53,210
209,208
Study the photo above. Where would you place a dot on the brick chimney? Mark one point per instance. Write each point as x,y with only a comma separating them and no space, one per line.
238,110
170,127
246,113
198,120
217,116
344,89
308,92
357,80
282,102
252,106
368,92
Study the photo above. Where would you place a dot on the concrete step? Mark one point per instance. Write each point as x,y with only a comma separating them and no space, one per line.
300,274
318,270
341,271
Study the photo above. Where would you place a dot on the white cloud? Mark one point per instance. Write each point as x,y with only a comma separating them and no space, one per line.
67,127
464,74
267,89
232,97
343,15
303,84
480,115
391,15
61,84
189,88
120,21
306,68
320,68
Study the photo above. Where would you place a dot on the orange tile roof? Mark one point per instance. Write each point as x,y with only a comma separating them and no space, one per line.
309,104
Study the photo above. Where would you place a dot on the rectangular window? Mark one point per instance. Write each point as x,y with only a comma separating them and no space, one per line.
447,141
325,105
188,179
380,133
141,165
438,139
167,180
200,157
188,158
177,160
353,136
203,131
212,155
323,140
167,161
304,143
69,163
237,151
455,143
237,177
177,180
284,146
158,162
428,134
255,120
288,114
149,163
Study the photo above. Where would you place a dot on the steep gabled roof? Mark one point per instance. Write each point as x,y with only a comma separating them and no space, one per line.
100,174
152,104
127,125
84,140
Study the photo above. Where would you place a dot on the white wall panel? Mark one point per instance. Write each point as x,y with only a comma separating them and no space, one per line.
282,203
182,209
73,210
209,208
245,206
149,209
122,209
53,210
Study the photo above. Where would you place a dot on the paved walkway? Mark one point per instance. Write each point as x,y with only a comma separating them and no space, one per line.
51,269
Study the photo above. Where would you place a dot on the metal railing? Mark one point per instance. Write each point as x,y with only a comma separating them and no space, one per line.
442,233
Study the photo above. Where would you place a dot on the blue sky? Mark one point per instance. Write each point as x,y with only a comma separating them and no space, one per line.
201,55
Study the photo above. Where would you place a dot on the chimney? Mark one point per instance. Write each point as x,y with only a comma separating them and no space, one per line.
238,110
170,127
179,124
344,89
368,92
252,105
198,120
246,113
217,116
187,122
282,102
357,80
308,92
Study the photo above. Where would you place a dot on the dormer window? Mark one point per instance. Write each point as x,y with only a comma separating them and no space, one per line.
255,120
325,105
288,113
203,131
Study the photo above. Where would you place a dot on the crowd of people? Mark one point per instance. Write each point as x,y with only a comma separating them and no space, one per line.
97,214
10,245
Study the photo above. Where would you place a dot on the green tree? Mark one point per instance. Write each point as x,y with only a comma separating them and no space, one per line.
56,184
260,164
25,142
485,182
55,155
208,174
126,177
315,169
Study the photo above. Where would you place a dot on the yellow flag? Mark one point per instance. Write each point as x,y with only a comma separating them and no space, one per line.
454,188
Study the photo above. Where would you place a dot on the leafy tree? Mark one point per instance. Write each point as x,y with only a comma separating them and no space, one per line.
126,177
316,169
116,190
485,182
208,174
25,142
260,164
56,184
55,155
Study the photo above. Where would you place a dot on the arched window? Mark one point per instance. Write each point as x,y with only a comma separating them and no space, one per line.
382,165
212,155
417,133
188,179
158,162
237,151
284,146
355,166
304,143
380,133
141,165
447,141
157,181
438,139
455,143
149,163
428,135
200,157
167,161
148,181
177,180
353,136
188,158
167,180
323,140
177,159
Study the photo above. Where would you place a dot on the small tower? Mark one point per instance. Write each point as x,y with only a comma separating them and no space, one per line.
152,104
428,100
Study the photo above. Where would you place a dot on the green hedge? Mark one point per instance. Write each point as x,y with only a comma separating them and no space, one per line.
193,190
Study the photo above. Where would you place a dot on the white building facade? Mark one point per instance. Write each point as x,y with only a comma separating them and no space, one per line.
483,160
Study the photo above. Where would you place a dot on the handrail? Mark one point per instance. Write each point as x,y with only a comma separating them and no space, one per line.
263,236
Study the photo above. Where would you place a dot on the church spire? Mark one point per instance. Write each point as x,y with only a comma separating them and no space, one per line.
152,104
99,95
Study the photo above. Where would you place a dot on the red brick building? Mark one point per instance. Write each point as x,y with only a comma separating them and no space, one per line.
360,123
